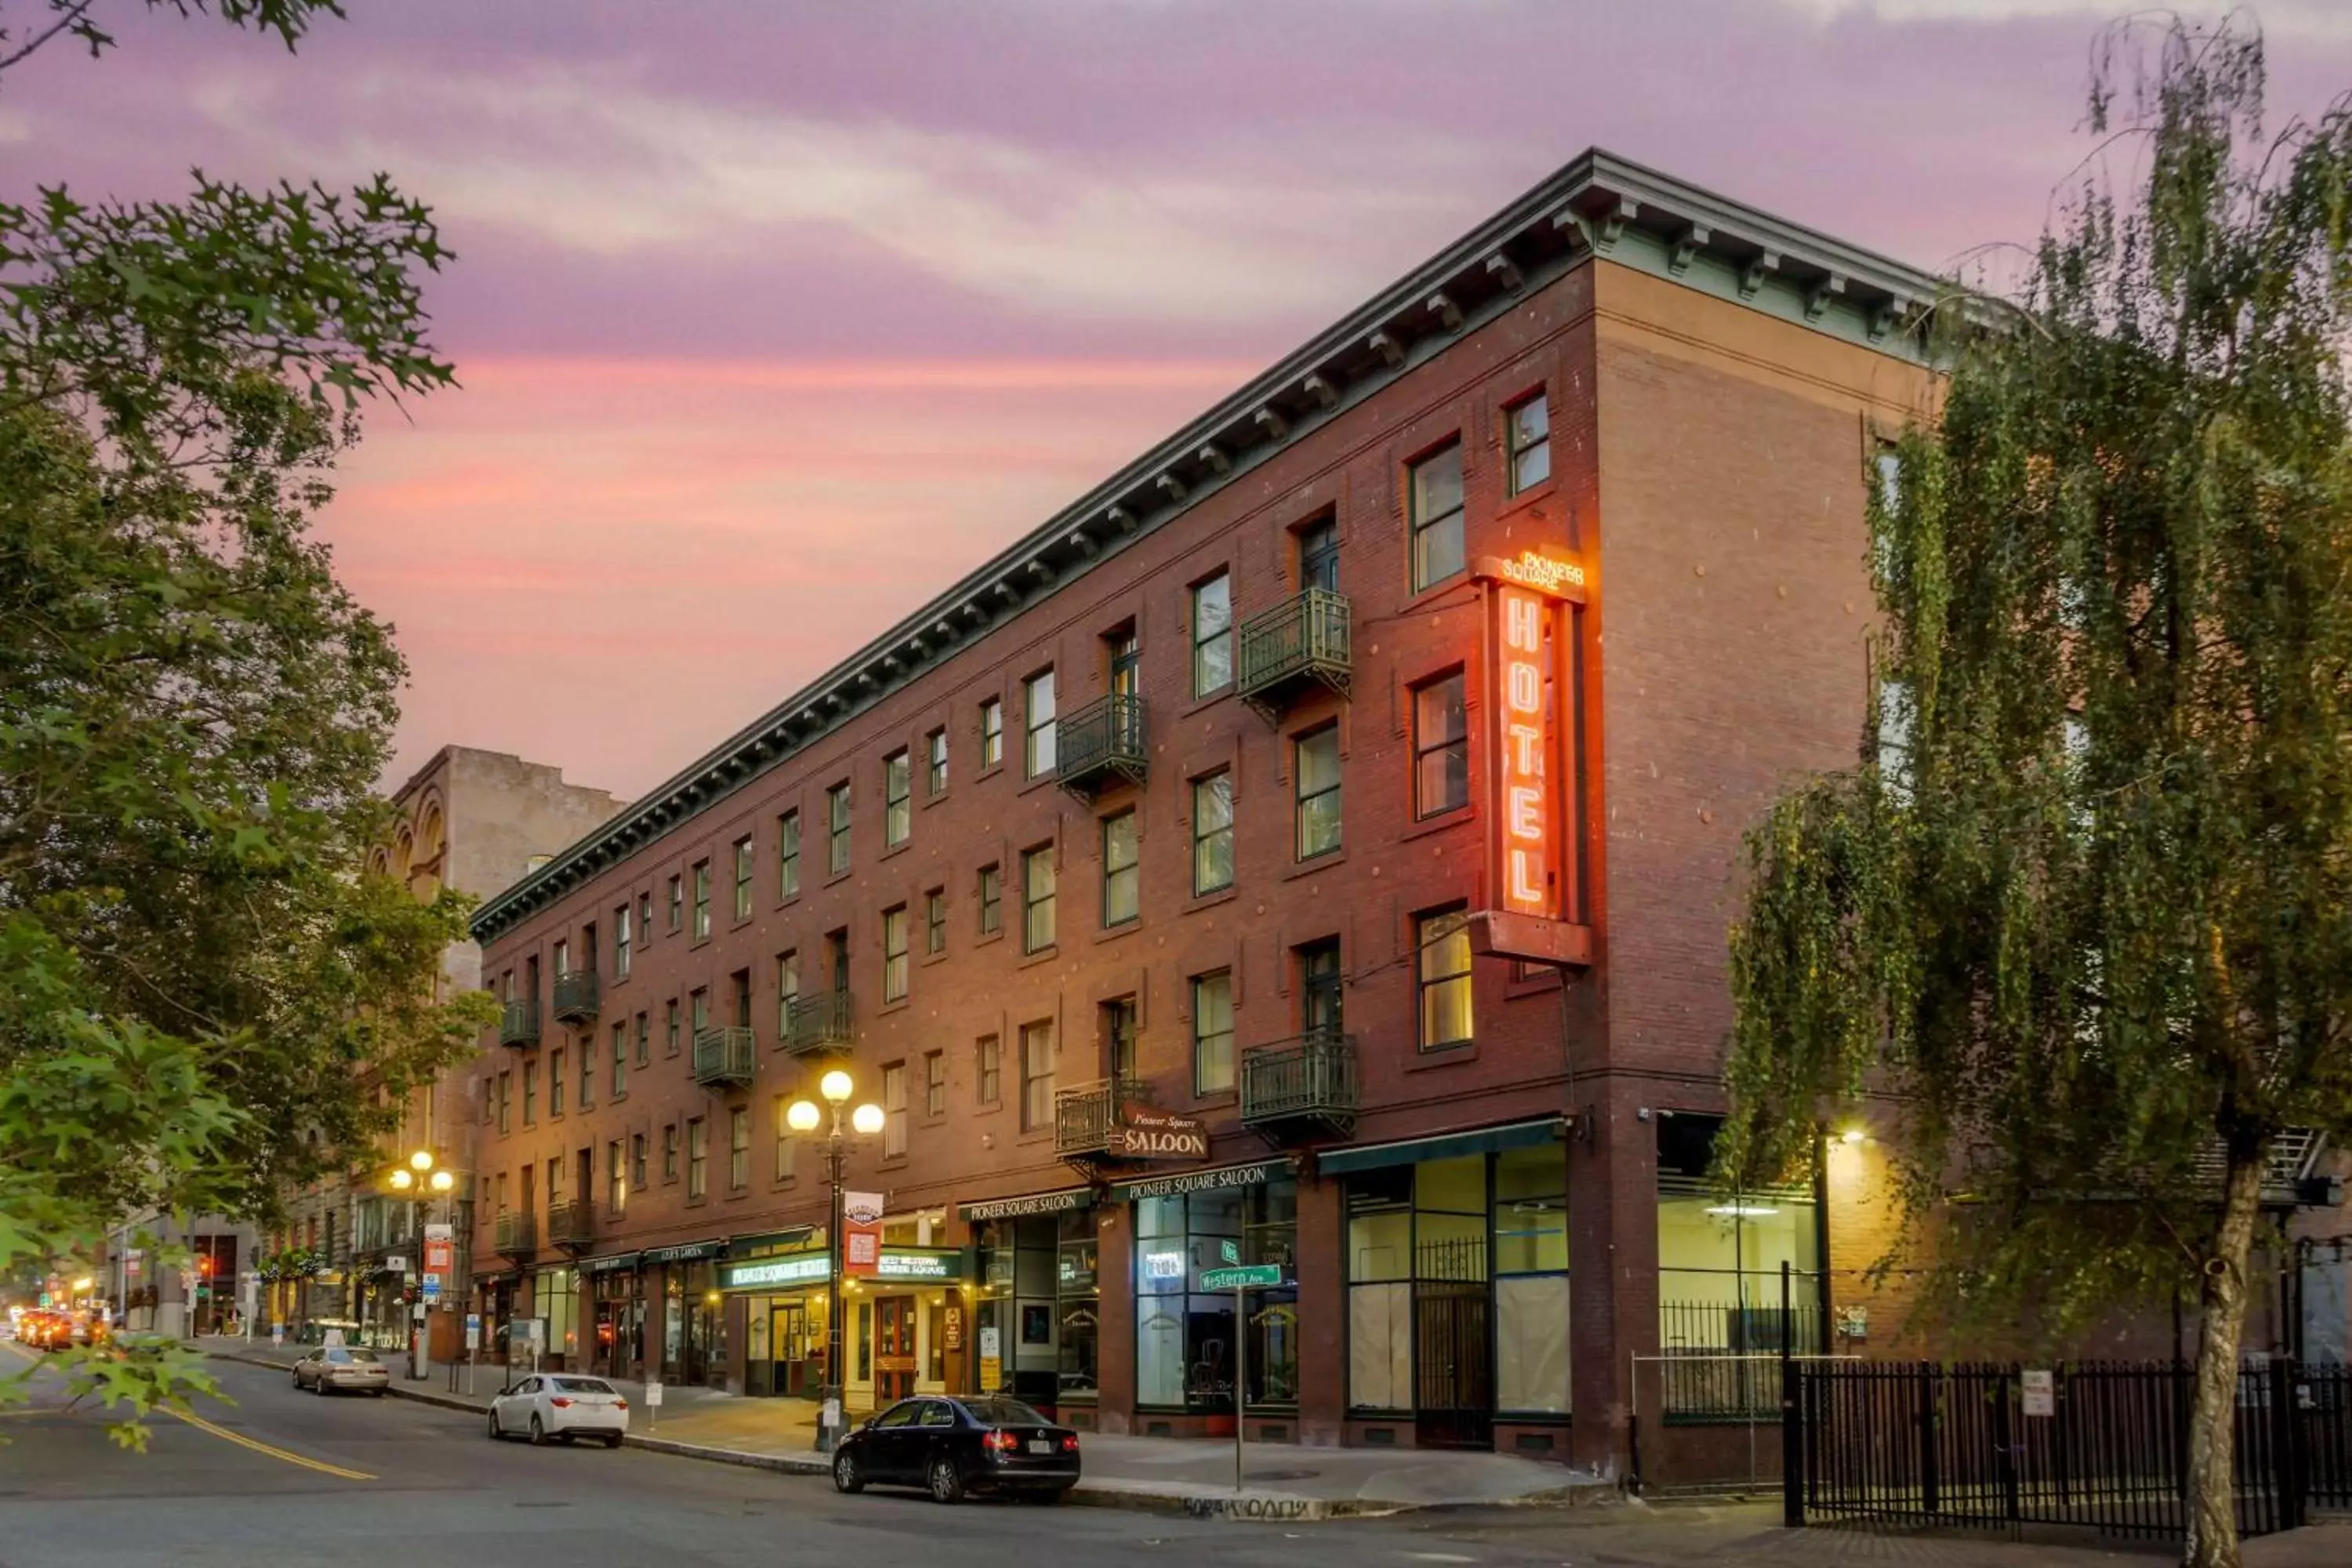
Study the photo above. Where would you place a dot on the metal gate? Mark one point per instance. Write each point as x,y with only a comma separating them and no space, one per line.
1454,1366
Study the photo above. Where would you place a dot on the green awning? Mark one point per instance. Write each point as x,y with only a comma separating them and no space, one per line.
1443,1146
608,1264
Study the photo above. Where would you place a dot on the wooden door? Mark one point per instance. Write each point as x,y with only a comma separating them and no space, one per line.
894,1348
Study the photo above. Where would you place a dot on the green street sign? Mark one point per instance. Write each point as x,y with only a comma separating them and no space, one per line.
1229,1252
1241,1279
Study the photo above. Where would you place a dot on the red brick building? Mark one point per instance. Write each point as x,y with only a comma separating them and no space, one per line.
1360,773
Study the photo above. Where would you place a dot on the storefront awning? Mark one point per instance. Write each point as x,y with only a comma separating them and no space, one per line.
1443,1146
685,1252
1255,1173
612,1263
1056,1201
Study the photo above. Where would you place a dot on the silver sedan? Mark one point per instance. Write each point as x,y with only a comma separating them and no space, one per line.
335,1369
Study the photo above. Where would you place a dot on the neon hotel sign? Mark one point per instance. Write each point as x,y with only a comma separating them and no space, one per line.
1530,651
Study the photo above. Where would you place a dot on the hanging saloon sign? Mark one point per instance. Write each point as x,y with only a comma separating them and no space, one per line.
1146,1135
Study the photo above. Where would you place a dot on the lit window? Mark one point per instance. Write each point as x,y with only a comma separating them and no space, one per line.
1038,899
1527,427
1213,1034
1315,767
1037,715
1441,747
1122,878
1442,973
897,799
1213,833
1212,635
1437,516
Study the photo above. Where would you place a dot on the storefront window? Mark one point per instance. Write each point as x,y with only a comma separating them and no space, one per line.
554,1297
1039,1303
1530,1257
1719,1286
1270,1235
1184,1338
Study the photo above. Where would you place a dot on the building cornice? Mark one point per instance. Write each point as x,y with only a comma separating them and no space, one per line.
1600,206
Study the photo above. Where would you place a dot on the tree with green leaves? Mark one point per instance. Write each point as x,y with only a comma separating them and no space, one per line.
204,999
2083,909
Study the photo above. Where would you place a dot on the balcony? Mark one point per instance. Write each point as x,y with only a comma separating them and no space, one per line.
724,1057
820,1025
520,1026
1084,1117
575,997
1295,1089
1307,642
571,1225
1102,744
518,1235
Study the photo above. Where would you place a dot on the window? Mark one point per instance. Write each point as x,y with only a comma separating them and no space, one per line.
530,1094
788,855
1037,715
935,772
701,900
1038,899
894,953
1184,1336
988,1077
1319,988
1318,556
743,877
637,1160
1124,651
785,1144
742,983
739,1149
677,902
1719,1266
992,733
894,1109
587,1095
1212,635
506,1101
616,1181
1213,833
836,827
621,942
897,799
1120,1027
1437,516
645,1039
787,991
1315,770
563,959
698,1004
1212,1033
620,1058
697,1158
935,922
1526,429
1441,747
1122,878
669,1041
992,900
935,1083
1036,1074
1443,941
1896,720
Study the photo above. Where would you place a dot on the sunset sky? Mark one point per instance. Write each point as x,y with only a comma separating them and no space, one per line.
774,316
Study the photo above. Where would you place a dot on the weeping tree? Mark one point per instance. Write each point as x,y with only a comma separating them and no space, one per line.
2082,909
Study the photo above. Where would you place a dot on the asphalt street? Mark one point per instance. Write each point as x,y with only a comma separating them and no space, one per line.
277,1477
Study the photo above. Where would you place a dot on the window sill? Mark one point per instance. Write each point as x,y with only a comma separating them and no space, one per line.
1223,895
1455,816
891,1163
1324,861
1427,599
936,796
1528,500
930,958
786,901
832,878
990,772
984,938
891,850
1124,928
738,1196
1045,954
1043,781
1442,1056
898,1006
740,921
1201,704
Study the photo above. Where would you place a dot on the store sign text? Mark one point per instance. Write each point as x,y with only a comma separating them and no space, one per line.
1040,1203
1522,654
779,1271
1544,573
915,1266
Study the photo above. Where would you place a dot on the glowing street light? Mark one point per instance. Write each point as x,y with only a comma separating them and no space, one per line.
806,1116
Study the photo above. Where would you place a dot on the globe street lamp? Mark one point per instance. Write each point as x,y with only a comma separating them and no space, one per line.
415,1181
806,1116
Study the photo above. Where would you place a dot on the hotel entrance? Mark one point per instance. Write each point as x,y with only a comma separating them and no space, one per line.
894,1349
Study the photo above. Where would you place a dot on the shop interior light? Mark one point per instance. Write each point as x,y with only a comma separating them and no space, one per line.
1744,1211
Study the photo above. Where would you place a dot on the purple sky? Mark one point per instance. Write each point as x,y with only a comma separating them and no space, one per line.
774,317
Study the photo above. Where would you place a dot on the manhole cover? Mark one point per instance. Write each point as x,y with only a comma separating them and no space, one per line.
1284,1475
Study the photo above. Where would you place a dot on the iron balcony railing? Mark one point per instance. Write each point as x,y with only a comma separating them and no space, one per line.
1310,1081
820,1024
1102,742
1085,1117
573,1224
517,1233
519,1025
575,997
728,1055
1307,639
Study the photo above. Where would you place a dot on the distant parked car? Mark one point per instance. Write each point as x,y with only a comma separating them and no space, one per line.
560,1405
335,1368
953,1447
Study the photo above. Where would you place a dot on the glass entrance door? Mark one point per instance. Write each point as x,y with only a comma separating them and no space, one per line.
788,1344
894,1349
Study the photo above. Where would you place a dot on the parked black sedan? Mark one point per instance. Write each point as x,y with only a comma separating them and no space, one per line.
953,1446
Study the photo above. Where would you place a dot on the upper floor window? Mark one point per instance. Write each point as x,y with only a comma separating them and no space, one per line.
1121,1033
1038,899
1316,765
1124,651
992,900
645,1039
677,902
898,797
1036,1074
563,959
622,934
697,1157
1526,428
1442,977
836,827
992,733
701,900
1437,516
669,1040
988,1070
1213,833
739,1148
894,953
935,1083
645,915
743,877
1441,746
1037,717
1212,1033
935,922
935,748
894,1109
620,1058
1212,635
1122,877
788,991
555,1081
1319,988
1318,556
788,855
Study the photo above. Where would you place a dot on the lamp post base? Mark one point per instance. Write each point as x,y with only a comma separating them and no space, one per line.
830,1422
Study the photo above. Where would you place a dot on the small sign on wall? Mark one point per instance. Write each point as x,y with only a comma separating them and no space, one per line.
2041,1393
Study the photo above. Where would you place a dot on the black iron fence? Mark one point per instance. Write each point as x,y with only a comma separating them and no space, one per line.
1720,1360
2100,1445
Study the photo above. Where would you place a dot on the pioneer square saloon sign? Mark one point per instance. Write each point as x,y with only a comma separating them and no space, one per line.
1144,1134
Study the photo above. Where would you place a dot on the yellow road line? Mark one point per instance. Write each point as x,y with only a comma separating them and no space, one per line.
275,1452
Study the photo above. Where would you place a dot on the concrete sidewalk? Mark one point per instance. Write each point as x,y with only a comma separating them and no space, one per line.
1282,1482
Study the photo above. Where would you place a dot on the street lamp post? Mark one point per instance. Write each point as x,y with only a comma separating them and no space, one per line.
804,1116
415,1180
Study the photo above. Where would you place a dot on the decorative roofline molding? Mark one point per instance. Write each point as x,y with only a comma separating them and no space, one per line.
1599,204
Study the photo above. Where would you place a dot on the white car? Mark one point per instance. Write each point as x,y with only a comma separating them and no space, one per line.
560,1405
